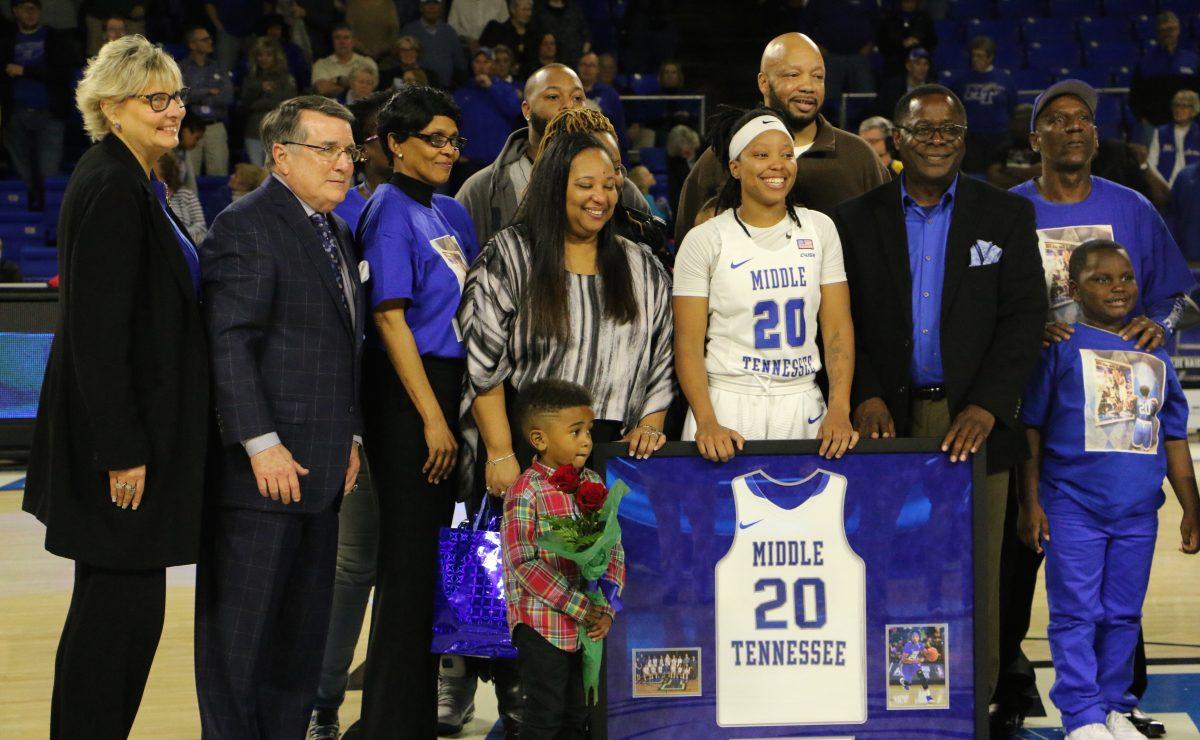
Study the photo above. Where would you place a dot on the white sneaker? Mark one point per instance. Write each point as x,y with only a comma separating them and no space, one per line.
1121,728
1094,731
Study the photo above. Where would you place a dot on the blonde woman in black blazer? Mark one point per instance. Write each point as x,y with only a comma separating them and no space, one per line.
116,472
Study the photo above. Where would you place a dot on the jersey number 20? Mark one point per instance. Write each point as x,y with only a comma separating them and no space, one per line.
800,588
766,324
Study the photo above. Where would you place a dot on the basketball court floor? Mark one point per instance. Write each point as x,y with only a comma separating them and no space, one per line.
35,589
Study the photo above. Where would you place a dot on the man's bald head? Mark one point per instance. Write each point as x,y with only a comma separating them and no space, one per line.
785,46
551,75
550,90
791,79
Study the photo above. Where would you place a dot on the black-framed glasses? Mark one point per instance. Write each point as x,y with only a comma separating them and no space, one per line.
333,151
923,132
160,100
437,141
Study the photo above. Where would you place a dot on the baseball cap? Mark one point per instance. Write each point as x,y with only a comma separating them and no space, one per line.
918,53
1078,88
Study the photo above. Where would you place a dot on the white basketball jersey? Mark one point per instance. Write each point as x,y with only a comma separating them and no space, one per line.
790,609
763,303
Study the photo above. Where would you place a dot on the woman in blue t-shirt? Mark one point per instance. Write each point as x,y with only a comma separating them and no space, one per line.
417,247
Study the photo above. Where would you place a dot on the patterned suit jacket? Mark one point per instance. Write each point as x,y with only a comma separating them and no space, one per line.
286,352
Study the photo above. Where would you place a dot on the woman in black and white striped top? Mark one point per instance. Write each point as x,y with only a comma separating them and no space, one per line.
558,294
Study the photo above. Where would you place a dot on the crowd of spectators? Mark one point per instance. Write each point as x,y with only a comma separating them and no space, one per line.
241,58
1149,136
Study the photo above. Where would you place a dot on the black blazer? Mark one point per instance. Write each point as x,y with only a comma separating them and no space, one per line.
992,316
127,382
286,356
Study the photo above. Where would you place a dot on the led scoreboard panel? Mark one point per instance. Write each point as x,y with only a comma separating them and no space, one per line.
28,314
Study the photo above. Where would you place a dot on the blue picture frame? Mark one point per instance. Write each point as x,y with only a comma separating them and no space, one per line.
909,514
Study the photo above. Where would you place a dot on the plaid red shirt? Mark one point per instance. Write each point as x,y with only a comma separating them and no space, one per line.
543,590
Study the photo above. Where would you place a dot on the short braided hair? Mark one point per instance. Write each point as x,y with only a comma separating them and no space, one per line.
576,120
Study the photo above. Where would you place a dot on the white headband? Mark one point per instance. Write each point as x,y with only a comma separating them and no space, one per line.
751,130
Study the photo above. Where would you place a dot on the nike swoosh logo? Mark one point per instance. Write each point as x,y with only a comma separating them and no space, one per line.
747,525
736,265
816,418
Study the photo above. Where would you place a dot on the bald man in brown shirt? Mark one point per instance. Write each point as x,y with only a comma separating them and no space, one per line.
832,165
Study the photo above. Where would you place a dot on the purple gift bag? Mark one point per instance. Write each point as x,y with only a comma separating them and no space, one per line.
468,603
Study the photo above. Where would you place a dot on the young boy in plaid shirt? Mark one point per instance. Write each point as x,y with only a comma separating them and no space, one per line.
546,603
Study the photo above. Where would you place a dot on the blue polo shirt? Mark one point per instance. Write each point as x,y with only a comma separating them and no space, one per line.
1105,411
989,98
1158,62
1111,211
30,51
488,116
927,229
1183,215
351,208
418,247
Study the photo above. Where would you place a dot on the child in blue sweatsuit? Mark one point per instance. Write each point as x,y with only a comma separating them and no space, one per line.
1105,421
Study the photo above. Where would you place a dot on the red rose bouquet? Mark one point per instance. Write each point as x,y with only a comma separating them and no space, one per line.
587,539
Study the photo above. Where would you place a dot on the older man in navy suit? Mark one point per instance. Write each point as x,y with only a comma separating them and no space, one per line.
284,310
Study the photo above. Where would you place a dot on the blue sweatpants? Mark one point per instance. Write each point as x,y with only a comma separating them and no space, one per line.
1097,571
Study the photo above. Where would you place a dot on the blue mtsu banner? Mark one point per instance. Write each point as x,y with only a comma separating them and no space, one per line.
784,595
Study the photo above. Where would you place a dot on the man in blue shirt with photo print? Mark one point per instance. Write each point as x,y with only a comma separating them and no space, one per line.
1073,206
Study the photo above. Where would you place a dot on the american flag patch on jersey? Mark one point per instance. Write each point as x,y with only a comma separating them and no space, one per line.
804,244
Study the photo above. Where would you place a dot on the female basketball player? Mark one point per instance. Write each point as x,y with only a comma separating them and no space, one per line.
752,286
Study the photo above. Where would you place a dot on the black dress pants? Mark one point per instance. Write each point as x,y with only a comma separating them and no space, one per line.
555,707
400,684
603,430
105,652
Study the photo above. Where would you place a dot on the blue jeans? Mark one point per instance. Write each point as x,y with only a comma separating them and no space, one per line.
255,153
34,139
358,541
1097,571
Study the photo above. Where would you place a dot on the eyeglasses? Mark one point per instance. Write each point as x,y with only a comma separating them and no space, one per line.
621,170
437,141
923,132
160,100
332,152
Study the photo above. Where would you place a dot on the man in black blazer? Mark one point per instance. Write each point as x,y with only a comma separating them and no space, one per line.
949,302
285,312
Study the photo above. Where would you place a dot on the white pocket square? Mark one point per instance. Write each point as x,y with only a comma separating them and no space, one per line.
985,253
364,271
